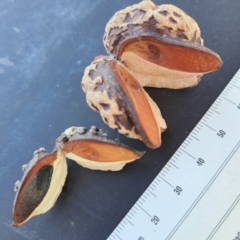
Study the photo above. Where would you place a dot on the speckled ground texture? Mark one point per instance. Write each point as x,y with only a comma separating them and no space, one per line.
44,49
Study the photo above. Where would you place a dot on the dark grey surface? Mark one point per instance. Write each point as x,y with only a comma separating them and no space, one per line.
44,49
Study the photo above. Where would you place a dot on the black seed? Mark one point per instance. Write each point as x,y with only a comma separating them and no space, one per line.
33,193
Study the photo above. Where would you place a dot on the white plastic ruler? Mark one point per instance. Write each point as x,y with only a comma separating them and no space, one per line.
197,194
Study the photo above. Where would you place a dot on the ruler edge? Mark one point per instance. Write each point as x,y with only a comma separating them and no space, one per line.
115,229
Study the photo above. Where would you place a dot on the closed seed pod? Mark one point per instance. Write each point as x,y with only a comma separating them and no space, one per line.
40,186
161,45
121,101
92,149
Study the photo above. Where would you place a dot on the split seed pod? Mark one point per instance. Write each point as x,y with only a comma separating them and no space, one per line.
92,149
42,182
123,104
160,45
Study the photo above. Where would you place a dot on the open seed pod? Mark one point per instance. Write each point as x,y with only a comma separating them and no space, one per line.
42,182
121,101
92,149
161,45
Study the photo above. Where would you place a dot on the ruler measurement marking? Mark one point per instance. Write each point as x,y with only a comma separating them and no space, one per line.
224,217
157,180
203,192
209,114
188,154
203,120
133,210
190,136
237,77
122,225
162,174
229,101
167,182
195,138
135,207
152,193
217,103
124,221
174,165
118,236
168,165
234,81
210,127
144,210
150,186
235,86
213,106
226,89
144,196
214,111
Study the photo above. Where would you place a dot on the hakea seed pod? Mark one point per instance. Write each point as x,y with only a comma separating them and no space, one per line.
92,149
123,104
40,186
160,45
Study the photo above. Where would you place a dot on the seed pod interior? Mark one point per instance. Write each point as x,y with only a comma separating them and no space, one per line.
144,116
92,149
40,186
123,104
167,53
161,45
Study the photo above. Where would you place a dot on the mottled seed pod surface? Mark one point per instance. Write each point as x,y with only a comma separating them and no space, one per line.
40,186
92,149
161,45
121,101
